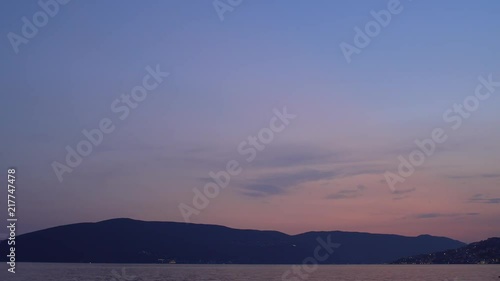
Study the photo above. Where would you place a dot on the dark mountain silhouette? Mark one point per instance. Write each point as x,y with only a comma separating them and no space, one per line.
483,252
132,241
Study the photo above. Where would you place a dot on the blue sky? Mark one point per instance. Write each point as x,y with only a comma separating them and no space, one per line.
226,77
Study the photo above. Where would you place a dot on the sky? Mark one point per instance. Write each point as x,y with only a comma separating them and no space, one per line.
233,68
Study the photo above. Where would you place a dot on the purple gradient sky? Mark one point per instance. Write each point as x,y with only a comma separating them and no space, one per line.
324,172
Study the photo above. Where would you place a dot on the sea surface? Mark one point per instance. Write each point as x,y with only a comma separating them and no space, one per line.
135,272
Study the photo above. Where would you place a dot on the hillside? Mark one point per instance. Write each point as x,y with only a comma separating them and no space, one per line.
483,252
132,241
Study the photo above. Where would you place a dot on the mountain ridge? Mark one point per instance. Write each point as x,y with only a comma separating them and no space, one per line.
125,240
482,252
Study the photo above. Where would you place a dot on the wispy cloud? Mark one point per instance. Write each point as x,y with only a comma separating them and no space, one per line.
262,190
483,176
404,190
403,193
295,155
280,183
441,215
347,193
481,198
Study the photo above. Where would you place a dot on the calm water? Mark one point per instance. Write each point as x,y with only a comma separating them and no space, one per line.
122,272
